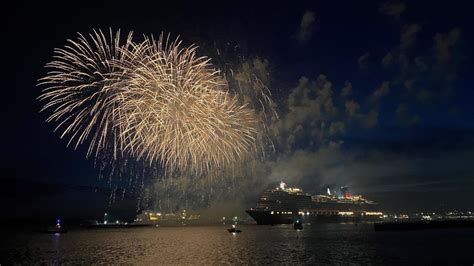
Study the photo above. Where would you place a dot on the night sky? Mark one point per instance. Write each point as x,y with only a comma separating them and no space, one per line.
398,76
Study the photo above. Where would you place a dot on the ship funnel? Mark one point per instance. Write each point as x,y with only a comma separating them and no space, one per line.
282,185
329,192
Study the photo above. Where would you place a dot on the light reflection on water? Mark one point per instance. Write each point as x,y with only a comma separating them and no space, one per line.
323,243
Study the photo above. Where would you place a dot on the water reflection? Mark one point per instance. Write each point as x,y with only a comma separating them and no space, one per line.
55,249
324,244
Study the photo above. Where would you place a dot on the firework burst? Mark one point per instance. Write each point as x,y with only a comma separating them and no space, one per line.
154,101
177,110
81,91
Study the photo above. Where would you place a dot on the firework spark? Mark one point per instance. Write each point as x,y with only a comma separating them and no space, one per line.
153,101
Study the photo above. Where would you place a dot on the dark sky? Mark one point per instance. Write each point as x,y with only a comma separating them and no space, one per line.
406,136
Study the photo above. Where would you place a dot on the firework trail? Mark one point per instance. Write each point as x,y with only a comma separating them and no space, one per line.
153,101
250,83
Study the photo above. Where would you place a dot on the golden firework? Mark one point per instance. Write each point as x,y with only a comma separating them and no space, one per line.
153,101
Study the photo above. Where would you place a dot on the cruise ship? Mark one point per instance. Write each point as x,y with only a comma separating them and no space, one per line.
285,205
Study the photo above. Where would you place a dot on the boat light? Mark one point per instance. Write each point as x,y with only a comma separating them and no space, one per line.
346,213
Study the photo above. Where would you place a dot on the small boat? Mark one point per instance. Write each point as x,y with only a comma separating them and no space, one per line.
58,228
234,230
298,225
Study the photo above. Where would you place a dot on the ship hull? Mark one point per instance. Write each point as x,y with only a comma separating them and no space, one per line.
266,217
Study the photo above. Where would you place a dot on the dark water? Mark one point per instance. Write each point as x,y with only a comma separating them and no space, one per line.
340,244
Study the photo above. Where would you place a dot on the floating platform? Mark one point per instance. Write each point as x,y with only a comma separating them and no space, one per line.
423,225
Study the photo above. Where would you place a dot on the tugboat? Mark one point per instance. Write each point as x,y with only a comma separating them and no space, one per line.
298,225
56,229
234,230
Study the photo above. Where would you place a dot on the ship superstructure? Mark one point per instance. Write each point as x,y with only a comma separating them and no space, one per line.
285,205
